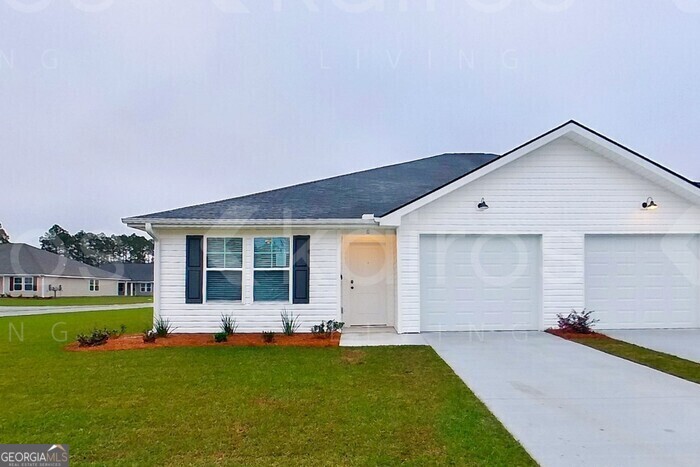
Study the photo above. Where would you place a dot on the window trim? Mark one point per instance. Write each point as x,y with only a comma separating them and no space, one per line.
288,269
206,269
145,286
21,284
94,285
28,280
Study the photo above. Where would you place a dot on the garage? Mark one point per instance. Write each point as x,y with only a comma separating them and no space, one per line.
480,282
642,281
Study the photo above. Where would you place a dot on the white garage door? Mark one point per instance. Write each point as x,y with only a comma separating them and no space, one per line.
473,283
643,281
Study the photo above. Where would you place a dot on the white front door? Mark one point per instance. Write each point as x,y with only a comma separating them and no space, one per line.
365,284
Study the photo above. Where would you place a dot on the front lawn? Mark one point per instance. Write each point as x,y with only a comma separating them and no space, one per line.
670,364
239,405
73,301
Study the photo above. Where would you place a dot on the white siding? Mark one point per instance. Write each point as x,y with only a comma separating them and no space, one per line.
252,317
561,191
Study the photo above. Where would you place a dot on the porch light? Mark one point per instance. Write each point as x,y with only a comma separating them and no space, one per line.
482,206
649,204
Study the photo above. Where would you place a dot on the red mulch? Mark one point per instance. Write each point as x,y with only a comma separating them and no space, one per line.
135,341
575,335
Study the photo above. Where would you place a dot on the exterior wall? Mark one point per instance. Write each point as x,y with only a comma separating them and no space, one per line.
78,287
561,191
72,287
324,285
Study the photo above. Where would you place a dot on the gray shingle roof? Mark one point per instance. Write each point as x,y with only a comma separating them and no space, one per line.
20,259
375,191
137,272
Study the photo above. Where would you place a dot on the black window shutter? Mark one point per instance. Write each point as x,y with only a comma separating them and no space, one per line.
36,283
12,284
193,273
300,285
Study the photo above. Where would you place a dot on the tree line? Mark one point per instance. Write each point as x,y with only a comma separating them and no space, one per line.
97,249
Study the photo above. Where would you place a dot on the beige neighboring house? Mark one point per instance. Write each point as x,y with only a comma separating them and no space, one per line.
26,271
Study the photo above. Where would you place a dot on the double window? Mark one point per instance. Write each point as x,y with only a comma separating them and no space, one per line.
94,285
146,287
28,284
224,269
271,269
17,283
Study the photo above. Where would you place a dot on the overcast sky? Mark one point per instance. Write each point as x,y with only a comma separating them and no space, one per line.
116,108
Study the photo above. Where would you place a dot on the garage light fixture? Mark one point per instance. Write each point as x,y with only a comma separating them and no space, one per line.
649,204
482,206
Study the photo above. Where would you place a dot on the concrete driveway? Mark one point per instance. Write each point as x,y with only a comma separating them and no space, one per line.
571,405
684,343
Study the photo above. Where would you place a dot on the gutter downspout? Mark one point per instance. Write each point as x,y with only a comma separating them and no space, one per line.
156,271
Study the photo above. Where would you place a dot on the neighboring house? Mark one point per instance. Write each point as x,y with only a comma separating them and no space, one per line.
26,271
455,242
139,277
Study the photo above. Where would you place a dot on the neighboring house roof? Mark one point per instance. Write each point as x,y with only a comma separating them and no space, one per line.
390,191
21,259
374,191
135,272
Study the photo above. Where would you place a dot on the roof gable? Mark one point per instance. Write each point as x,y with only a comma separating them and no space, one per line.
578,133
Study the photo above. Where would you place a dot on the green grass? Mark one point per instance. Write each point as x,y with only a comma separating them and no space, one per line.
228,405
73,301
659,361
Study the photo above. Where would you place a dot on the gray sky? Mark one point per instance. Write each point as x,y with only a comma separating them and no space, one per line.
112,108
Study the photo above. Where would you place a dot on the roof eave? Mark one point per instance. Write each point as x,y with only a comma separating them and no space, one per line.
141,222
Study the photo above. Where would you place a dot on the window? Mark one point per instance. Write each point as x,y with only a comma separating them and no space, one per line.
94,285
271,269
224,269
17,283
28,284
146,287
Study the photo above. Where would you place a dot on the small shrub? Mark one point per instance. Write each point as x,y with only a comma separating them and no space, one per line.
149,336
162,327
268,337
575,322
95,338
290,323
327,328
228,325
221,337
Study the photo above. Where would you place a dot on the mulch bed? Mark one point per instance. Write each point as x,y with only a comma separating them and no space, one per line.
575,335
135,341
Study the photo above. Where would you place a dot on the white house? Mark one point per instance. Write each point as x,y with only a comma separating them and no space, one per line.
568,220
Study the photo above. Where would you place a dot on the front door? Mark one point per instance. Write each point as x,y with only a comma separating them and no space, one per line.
365,284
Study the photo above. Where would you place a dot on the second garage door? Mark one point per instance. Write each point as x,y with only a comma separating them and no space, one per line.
643,281
473,282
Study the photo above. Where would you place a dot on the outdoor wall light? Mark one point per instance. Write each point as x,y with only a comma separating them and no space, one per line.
482,206
649,204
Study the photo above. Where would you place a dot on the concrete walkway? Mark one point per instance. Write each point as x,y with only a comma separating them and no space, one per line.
365,336
684,343
46,310
572,405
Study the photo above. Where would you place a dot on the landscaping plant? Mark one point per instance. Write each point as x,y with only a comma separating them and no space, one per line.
149,336
327,328
163,327
268,336
290,323
221,337
228,325
577,323
96,337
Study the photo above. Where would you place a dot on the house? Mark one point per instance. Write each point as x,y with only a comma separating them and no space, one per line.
455,242
139,278
26,271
